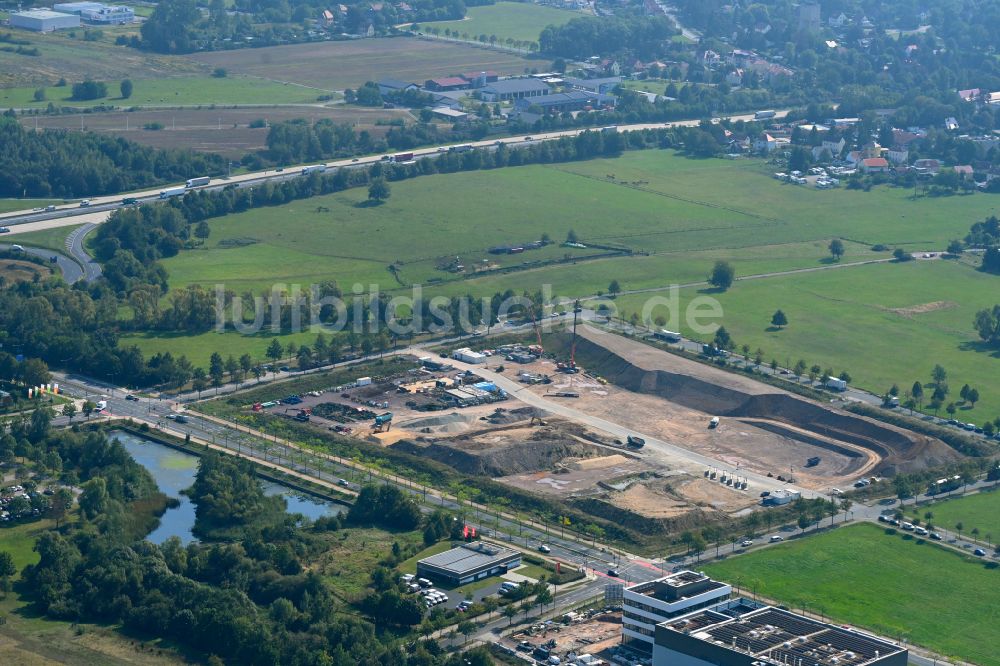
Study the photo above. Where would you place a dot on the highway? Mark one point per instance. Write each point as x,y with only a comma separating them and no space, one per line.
101,207
70,269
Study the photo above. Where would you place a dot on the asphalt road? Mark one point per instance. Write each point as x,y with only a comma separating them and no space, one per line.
71,270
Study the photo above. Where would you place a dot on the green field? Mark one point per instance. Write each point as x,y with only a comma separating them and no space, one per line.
180,91
521,21
884,324
981,511
892,585
53,239
678,216
7,205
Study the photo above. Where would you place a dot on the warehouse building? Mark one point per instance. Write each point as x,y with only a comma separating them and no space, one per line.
466,355
647,604
468,562
44,20
741,632
512,89
575,100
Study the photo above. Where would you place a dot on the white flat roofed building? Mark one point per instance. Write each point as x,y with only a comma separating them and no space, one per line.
43,20
647,604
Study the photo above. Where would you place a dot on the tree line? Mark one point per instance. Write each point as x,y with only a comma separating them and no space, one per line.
62,163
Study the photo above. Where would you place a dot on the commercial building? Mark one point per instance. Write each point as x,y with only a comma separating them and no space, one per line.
741,632
602,85
513,89
44,20
574,100
466,355
97,12
781,497
468,562
645,605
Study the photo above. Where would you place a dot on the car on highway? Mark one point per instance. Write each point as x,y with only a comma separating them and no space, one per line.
16,248
529,138
776,538
4,230
746,543
85,203
171,417
343,482
613,573
544,549
49,208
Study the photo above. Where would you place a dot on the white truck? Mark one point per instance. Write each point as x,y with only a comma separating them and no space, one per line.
835,384
197,182
317,168
172,192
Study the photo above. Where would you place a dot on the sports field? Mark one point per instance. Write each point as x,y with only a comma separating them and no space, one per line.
521,21
177,91
339,65
980,511
860,575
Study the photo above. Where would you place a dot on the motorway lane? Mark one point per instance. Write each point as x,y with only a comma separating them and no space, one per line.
71,270
100,207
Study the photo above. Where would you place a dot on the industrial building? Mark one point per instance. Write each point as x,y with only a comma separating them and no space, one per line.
98,12
468,562
44,20
513,89
575,100
741,632
466,355
781,497
645,605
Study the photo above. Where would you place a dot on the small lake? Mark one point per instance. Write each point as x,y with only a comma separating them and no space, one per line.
175,471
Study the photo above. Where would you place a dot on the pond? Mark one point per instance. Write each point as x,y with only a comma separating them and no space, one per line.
175,471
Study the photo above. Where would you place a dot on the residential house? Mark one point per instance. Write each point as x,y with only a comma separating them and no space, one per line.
446,83
327,18
903,138
514,89
964,171
735,77
389,86
740,58
834,148
927,165
710,58
897,155
970,95
950,124
838,21
874,165
480,79
765,143
450,114
992,98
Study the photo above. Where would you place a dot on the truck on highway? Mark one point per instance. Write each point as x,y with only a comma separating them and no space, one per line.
315,168
197,182
835,384
668,336
764,115
172,192
460,149
402,158
129,201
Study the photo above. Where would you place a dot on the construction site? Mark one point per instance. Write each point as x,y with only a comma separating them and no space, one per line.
617,428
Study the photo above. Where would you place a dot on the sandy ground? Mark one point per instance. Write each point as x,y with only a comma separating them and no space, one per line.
592,636
736,442
579,477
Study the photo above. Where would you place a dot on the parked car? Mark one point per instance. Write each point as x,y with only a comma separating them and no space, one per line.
935,536
4,230
776,538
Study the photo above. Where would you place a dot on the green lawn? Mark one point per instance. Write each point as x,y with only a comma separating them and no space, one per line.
179,91
981,511
199,348
8,205
19,540
521,21
890,584
53,239
410,566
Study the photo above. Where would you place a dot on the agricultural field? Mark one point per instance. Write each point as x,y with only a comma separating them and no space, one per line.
885,323
980,511
172,92
362,60
74,59
225,131
862,576
520,21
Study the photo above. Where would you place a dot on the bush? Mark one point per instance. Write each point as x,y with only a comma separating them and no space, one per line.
220,73
153,126
89,90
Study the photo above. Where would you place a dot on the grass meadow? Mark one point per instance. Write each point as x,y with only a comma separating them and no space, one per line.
980,511
520,21
893,585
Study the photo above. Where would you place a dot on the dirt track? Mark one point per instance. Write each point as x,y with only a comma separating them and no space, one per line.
763,428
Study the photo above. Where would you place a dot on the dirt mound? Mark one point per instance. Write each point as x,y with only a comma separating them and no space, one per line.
504,452
643,369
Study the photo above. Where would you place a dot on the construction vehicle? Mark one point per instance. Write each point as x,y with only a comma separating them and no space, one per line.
383,422
299,414
713,423
812,462
634,442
